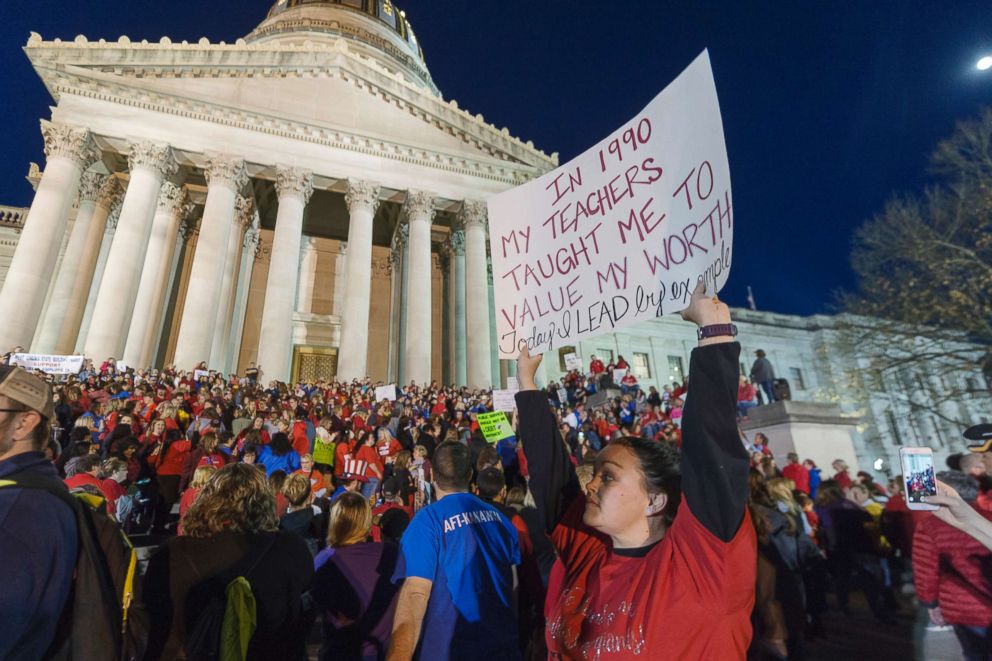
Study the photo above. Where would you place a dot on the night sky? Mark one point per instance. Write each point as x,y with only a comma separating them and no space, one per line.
828,107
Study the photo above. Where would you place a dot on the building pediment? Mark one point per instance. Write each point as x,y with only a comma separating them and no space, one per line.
308,88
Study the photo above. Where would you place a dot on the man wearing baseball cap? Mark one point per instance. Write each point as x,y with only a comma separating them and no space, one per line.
37,532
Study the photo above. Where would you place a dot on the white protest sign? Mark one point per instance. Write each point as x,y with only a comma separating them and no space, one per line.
504,400
621,233
386,392
200,374
572,362
121,366
48,363
618,375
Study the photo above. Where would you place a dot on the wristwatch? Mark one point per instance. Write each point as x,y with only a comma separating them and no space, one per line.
716,330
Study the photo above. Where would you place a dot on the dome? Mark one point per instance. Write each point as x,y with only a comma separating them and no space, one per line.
376,28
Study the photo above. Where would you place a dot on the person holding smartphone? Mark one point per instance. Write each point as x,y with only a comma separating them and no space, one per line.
950,566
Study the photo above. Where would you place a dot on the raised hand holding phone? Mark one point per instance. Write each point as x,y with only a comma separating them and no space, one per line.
919,478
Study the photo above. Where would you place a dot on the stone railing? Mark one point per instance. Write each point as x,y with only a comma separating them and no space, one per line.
13,217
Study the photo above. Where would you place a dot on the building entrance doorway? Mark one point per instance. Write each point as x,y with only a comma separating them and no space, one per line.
314,363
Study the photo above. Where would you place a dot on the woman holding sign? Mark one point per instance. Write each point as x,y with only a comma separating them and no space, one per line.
658,560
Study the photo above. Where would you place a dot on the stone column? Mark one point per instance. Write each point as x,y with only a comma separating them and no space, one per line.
395,300
417,345
499,378
404,244
241,297
308,274
447,362
340,279
479,370
89,245
459,332
225,177
188,226
363,200
275,342
69,272
221,339
150,164
101,265
150,302
69,151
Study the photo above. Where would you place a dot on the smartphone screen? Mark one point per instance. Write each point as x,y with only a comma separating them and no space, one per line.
919,475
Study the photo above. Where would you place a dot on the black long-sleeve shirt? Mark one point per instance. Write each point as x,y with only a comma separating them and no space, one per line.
714,462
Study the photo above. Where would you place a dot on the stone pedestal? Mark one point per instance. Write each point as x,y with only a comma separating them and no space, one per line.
813,430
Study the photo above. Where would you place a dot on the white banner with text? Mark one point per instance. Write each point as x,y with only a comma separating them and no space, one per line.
621,233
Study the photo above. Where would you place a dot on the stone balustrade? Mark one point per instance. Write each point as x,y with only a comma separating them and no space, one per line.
12,217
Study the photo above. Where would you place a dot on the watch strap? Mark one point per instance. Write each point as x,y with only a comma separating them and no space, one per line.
717,330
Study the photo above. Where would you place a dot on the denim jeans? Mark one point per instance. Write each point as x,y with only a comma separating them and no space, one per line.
370,488
769,389
976,642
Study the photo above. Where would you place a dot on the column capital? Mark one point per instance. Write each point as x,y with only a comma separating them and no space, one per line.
155,156
115,211
110,191
253,235
362,194
90,186
474,213
188,226
74,144
244,211
226,170
457,242
172,198
295,182
419,205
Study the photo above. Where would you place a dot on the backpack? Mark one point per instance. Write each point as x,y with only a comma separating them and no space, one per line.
222,629
101,618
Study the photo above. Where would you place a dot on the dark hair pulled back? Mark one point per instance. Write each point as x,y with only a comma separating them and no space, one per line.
660,468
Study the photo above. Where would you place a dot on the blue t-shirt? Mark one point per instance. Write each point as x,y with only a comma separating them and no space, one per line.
467,548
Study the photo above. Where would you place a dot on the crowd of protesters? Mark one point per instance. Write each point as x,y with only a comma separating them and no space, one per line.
642,524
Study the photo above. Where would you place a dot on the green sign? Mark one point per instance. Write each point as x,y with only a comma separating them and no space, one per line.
494,426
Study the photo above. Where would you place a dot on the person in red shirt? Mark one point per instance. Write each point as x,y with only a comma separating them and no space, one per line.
596,366
344,451
796,472
201,476
950,570
301,443
387,446
368,453
318,483
841,476
391,499
658,560
83,473
167,459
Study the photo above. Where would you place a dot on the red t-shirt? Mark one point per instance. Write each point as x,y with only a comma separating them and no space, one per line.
690,597
343,452
172,463
843,479
371,455
798,474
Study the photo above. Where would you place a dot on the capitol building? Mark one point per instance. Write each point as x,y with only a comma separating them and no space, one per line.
305,199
